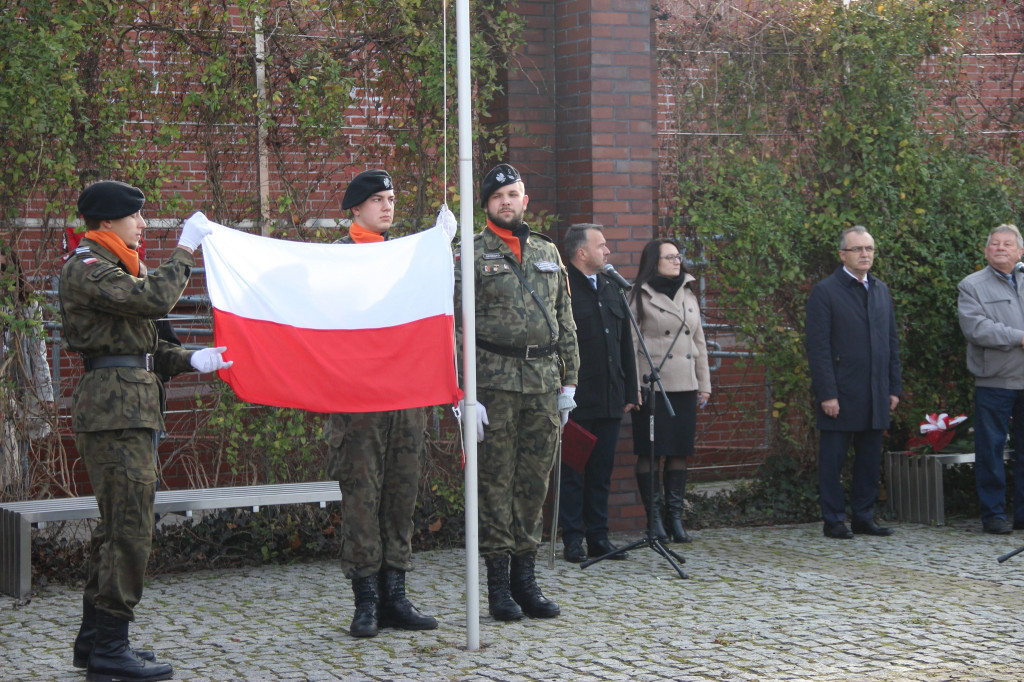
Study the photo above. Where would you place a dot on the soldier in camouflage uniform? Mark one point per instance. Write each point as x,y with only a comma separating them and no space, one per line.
109,304
375,457
522,335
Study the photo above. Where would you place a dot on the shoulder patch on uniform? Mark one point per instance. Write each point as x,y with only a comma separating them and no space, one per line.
90,261
83,249
546,266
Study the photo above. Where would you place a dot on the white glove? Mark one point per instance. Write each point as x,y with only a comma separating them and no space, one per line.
210,359
194,231
481,419
566,404
446,219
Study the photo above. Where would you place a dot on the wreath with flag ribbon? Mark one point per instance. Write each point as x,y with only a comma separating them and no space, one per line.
937,431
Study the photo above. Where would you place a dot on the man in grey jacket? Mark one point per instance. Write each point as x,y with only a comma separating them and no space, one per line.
991,311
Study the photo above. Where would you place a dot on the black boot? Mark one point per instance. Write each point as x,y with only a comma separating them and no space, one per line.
112,659
526,591
87,635
643,484
396,611
675,491
364,622
499,595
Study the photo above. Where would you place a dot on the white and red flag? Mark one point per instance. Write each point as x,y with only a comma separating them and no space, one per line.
335,327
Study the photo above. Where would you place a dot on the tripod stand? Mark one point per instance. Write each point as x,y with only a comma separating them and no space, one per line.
1009,555
653,381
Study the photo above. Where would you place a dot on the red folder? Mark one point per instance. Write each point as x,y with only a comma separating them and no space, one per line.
577,444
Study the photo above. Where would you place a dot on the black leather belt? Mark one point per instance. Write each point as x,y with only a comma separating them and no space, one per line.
102,361
528,353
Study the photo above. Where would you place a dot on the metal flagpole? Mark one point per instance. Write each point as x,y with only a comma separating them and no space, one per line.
466,203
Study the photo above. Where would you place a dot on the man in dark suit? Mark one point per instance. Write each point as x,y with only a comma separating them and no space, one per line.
606,390
854,358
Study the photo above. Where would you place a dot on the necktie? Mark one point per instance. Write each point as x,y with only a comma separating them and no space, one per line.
593,281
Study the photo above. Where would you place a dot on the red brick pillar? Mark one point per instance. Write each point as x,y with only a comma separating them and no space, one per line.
582,114
582,109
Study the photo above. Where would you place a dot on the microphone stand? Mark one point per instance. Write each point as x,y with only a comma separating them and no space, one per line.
1009,555
653,381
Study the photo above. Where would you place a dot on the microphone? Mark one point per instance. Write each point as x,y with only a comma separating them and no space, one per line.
610,271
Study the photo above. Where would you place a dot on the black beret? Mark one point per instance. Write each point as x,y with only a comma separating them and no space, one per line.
110,200
501,175
364,185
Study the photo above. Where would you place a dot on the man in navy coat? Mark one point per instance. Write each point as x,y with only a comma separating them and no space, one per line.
854,358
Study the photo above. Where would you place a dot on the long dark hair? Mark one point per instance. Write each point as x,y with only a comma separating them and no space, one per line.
649,259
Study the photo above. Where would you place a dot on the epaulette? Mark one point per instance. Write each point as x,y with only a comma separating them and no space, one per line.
542,236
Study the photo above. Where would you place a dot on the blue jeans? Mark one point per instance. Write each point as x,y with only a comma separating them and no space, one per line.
994,410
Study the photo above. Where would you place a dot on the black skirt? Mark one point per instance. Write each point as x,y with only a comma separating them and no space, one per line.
673,436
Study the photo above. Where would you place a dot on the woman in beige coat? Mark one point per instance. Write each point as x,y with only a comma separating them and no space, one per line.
665,304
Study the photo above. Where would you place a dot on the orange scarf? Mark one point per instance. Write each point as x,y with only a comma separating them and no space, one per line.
510,239
360,235
116,246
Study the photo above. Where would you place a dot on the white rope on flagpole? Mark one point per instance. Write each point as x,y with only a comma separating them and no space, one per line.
468,322
444,96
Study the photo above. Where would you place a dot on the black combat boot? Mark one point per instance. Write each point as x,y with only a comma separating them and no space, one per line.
396,611
112,659
526,591
643,484
675,491
87,635
364,622
499,596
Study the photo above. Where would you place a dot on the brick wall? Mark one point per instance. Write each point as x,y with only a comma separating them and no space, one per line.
582,116
614,122
589,121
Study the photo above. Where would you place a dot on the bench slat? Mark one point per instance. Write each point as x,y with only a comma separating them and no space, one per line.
16,517
194,499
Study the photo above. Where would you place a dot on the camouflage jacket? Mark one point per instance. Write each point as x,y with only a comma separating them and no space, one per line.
507,315
106,311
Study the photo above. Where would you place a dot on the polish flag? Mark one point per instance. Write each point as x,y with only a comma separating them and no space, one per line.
335,327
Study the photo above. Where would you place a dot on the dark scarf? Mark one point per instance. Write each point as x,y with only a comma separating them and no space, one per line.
667,285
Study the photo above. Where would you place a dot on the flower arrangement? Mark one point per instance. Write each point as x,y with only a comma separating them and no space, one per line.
937,432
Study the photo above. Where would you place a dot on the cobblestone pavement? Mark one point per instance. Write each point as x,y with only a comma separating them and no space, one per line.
777,603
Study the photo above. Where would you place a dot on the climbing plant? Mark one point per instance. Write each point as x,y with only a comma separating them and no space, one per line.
812,117
166,96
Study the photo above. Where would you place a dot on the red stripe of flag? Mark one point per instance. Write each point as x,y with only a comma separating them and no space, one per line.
344,370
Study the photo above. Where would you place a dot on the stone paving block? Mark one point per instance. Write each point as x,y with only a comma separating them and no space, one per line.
762,604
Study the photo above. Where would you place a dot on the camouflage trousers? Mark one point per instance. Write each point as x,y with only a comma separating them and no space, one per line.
515,461
122,471
376,458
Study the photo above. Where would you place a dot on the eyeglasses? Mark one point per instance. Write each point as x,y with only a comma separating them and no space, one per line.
677,258
860,249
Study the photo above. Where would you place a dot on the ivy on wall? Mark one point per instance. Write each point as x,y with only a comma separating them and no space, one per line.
164,95
810,118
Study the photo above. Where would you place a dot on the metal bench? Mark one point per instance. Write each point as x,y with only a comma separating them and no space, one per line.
914,484
17,518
